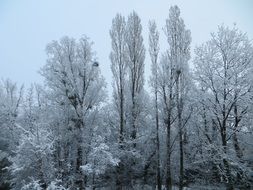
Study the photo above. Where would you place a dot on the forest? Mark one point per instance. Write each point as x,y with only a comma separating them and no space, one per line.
192,128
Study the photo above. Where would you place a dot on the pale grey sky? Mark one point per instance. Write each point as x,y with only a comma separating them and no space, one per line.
27,26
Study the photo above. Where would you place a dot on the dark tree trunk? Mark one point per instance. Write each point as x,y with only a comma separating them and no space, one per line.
119,180
158,175
168,163
179,113
237,148
225,161
167,121
121,137
134,130
133,133
181,178
224,129
168,138
79,161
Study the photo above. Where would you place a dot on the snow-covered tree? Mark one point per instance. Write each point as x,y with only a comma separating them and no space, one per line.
100,158
10,102
33,158
11,98
118,67
73,74
189,128
119,71
154,51
223,69
178,53
135,53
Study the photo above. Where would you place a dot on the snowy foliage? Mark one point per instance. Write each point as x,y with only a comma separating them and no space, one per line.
33,185
55,185
33,157
100,158
194,128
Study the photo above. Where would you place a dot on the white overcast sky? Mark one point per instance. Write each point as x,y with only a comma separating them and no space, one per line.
26,26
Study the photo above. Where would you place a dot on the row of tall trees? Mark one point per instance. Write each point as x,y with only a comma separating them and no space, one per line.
127,58
193,126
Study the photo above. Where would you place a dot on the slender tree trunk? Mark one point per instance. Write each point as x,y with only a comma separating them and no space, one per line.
93,182
147,166
224,128
41,175
237,148
134,132
168,162
225,161
120,167
181,178
79,180
119,180
158,175
226,164
179,112
121,138
79,160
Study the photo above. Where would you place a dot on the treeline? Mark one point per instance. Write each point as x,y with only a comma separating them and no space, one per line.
193,127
